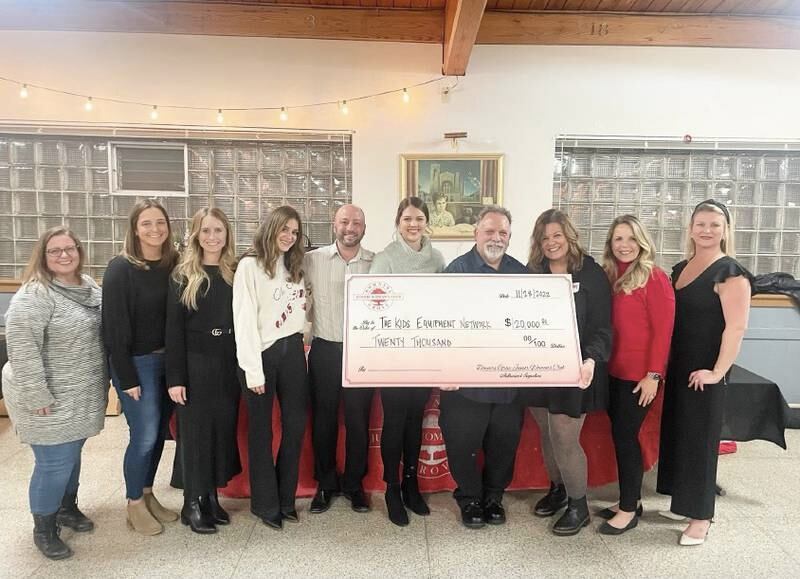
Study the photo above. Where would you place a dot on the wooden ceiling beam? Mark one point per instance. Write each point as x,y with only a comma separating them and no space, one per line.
639,30
420,26
223,19
462,19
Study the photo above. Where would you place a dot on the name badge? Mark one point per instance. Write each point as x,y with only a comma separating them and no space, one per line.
576,287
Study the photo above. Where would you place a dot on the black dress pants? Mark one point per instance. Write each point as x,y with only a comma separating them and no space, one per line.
325,377
626,420
401,437
468,427
273,484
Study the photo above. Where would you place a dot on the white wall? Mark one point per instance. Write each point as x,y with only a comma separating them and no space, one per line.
514,99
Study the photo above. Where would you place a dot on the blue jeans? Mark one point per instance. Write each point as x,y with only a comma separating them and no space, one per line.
55,473
147,420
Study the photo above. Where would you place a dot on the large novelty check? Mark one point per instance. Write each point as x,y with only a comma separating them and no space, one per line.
467,330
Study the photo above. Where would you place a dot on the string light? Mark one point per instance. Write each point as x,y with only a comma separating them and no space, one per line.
88,105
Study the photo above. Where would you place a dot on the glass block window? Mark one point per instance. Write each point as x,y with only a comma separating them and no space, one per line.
662,184
51,180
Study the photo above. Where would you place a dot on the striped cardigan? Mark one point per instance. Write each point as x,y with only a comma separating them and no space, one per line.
56,360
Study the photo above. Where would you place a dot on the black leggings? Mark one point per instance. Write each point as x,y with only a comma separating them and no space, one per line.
626,419
402,429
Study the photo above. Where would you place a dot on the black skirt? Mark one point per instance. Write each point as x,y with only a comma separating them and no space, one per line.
207,447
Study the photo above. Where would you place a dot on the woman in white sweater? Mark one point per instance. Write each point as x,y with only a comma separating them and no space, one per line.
403,408
55,383
269,303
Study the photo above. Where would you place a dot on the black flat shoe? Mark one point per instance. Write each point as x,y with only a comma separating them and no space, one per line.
552,502
472,515
321,501
274,522
608,529
610,514
494,513
358,501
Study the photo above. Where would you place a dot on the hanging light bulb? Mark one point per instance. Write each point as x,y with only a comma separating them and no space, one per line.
154,113
23,92
284,116
220,118
406,96
343,108
88,105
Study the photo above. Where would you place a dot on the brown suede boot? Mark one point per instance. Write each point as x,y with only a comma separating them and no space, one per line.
141,521
157,510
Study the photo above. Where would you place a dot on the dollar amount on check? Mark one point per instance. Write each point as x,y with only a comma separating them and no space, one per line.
467,330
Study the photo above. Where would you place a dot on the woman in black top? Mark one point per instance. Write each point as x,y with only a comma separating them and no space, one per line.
560,412
712,304
134,314
201,368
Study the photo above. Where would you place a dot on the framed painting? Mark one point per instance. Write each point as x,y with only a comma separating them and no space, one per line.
455,187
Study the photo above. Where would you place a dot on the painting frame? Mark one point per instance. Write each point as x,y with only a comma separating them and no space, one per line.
454,186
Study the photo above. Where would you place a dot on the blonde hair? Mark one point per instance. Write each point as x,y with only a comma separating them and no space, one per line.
727,244
132,247
36,270
265,243
575,253
640,270
189,272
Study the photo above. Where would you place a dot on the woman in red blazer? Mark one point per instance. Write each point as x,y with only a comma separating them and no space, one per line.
642,316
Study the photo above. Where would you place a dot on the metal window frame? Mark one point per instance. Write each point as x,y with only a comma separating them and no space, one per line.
113,168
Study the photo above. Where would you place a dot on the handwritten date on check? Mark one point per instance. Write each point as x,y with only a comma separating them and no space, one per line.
471,330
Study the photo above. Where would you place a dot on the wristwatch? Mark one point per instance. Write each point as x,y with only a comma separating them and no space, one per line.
655,376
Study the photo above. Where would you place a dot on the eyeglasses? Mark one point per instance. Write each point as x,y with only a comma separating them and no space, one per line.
71,251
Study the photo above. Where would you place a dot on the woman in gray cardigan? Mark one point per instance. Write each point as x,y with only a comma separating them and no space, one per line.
403,408
55,382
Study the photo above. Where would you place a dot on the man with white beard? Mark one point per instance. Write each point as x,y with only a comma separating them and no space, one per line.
472,419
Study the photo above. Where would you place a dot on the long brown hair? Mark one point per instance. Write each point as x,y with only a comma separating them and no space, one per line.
36,269
190,273
265,243
638,272
132,247
575,253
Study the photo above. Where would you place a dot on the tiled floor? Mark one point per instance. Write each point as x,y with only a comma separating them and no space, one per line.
755,534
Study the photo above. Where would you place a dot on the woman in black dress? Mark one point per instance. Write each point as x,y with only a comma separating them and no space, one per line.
201,368
712,299
560,412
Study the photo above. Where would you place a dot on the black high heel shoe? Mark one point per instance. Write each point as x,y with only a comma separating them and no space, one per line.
192,515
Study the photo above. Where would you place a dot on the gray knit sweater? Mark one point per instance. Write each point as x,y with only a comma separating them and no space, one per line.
398,257
56,359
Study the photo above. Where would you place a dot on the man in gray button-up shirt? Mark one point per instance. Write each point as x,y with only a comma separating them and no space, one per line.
325,270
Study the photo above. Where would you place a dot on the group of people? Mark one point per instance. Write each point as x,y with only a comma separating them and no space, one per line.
199,330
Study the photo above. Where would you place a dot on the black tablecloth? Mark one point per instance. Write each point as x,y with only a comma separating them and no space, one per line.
754,409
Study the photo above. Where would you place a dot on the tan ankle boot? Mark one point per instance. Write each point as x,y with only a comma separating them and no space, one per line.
141,521
158,511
